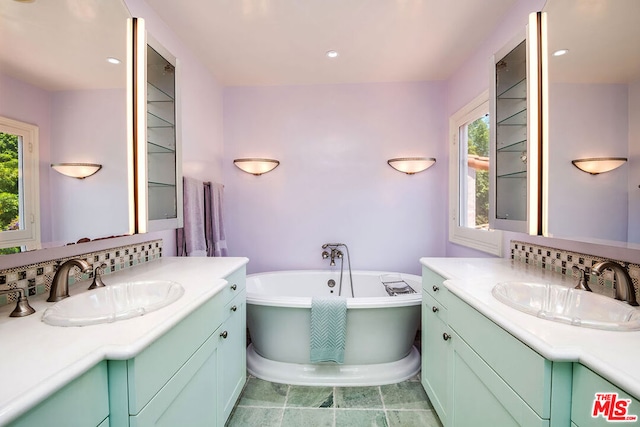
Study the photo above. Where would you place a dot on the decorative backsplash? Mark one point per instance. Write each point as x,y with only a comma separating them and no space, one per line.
562,261
36,279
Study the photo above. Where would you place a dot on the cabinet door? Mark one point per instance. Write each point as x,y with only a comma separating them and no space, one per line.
515,170
188,399
83,402
162,142
232,370
480,397
436,354
614,406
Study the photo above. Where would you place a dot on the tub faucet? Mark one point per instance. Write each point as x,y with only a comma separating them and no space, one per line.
624,285
60,283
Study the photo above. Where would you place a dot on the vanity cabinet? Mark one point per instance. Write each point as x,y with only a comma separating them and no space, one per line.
232,369
515,138
83,402
193,374
474,374
436,345
586,385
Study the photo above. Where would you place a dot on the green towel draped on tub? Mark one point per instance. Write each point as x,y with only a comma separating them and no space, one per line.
328,329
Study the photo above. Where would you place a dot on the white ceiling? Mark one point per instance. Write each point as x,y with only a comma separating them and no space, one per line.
278,42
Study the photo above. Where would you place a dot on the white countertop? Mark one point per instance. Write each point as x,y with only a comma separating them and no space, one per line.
39,359
611,354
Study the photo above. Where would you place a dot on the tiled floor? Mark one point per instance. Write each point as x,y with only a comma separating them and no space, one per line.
266,404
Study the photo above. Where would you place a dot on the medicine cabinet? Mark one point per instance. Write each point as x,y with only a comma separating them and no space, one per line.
159,175
515,121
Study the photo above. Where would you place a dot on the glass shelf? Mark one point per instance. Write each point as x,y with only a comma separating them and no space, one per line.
154,121
155,94
159,149
518,118
521,174
517,91
519,147
153,184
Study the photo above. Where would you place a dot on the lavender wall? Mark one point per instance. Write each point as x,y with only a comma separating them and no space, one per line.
333,184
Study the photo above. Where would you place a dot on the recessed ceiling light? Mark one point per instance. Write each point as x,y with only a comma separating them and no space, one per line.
113,60
560,52
332,54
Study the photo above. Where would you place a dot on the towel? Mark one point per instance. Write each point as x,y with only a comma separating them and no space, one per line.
193,199
214,223
328,329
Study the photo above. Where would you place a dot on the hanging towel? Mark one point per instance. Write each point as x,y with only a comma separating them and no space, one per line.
193,242
214,223
328,329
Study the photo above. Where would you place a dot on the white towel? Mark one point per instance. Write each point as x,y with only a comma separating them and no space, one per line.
193,197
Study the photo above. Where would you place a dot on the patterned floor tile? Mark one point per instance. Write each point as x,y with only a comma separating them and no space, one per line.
405,395
358,397
413,418
262,393
296,417
310,397
360,417
252,417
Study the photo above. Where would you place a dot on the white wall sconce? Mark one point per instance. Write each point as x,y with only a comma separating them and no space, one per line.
596,165
256,166
411,165
76,170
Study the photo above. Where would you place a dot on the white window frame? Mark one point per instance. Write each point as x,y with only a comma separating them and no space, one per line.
29,237
489,241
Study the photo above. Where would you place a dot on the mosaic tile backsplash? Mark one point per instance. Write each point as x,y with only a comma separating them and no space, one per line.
36,279
562,261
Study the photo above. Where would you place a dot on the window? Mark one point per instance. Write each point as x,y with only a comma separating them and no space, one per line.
19,196
469,178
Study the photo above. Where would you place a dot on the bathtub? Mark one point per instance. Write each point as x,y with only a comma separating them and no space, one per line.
380,333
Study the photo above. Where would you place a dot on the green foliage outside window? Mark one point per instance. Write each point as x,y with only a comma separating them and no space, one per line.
9,174
478,143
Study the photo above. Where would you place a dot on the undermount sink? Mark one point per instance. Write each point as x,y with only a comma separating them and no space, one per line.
113,302
568,305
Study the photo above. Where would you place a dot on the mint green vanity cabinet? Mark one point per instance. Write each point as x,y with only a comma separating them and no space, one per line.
436,348
191,375
477,374
232,342
586,384
83,402
524,387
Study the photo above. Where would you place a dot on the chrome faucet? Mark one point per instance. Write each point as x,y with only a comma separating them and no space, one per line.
624,285
60,283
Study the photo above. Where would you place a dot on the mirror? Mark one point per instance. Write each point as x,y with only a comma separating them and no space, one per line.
54,74
594,111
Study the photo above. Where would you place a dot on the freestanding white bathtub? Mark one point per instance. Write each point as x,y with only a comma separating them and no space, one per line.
380,328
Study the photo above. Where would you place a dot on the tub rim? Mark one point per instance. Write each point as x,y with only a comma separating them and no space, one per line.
357,302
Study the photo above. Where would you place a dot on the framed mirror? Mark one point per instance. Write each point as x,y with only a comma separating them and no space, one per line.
65,67
594,112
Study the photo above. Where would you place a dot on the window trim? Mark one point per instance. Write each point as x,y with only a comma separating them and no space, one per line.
489,241
29,237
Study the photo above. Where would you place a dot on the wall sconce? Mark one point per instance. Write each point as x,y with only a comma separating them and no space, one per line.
76,170
256,166
596,165
411,165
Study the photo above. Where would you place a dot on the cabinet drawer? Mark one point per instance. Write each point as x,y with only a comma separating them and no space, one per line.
505,354
432,284
236,284
586,384
433,307
189,397
154,366
83,402
482,397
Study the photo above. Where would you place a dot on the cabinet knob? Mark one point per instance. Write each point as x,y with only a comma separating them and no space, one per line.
234,287
446,336
234,308
224,334
434,309
435,288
